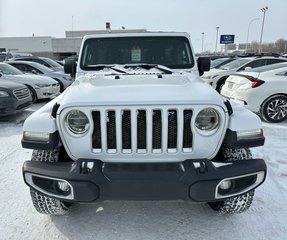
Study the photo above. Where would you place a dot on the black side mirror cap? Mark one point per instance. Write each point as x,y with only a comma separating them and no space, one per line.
70,67
203,64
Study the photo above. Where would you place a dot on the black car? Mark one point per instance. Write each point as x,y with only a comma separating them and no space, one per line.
14,97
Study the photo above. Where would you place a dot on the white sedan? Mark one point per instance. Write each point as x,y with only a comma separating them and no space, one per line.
263,91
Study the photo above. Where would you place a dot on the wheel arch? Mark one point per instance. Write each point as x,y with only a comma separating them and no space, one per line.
221,80
42,120
241,116
270,96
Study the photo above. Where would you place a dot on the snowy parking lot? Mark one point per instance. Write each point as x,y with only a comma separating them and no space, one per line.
266,219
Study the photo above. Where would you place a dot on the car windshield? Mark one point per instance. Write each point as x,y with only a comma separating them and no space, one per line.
7,69
2,57
51,62
235,64
217,61
173,52
41,67
268,67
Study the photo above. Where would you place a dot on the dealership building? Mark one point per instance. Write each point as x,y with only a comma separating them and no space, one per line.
56,48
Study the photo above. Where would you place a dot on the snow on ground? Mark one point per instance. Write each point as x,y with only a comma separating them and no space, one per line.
266,219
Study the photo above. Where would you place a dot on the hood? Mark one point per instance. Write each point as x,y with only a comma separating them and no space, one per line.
30,79
213,71
58,69
140,90
4,84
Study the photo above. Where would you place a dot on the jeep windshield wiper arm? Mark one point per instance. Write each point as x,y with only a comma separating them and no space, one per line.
150,66
103,66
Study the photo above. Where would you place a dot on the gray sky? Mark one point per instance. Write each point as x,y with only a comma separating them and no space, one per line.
53,17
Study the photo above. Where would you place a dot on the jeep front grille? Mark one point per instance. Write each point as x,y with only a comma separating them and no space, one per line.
142,131
21,93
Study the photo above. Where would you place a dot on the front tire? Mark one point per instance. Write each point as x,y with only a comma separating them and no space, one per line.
274,109
33,94
242,202
44,204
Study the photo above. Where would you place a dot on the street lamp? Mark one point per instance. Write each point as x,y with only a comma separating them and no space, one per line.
217,28
202,41
264,10
253,20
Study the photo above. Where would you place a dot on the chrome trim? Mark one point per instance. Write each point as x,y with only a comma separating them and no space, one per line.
28,177
259,179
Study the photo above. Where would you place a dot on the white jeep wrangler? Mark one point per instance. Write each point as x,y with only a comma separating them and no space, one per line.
138,123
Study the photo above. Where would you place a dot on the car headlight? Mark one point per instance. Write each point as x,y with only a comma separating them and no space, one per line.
4,94
42,85
207,120
77,122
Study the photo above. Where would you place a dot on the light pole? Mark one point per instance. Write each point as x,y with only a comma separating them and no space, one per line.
264,10
202,41
217,28
253,20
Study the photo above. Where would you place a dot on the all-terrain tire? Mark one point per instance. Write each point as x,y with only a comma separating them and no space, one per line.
240,203
44,204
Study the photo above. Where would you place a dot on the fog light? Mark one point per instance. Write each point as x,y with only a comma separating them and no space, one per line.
64,186
225,185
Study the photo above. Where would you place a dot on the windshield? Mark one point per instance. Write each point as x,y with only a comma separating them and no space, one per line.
51,62
2,57
7,69
268,67
217,61
235,64
41,67
173,52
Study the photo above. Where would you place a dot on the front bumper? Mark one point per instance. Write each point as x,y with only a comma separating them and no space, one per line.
93,180
48,92
10,105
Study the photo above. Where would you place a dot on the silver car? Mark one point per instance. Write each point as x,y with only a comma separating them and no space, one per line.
41,87
63,79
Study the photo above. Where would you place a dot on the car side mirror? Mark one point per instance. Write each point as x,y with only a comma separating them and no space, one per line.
203,64
247,68
70,67
34,72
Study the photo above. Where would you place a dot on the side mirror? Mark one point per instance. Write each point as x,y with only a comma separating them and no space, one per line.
34,72
70,67
203,64
247,68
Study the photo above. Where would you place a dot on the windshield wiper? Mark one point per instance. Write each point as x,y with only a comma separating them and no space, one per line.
103,66
149,67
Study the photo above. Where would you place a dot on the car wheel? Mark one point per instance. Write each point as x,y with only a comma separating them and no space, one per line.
44,204
33,94
274,109
242,202
220,85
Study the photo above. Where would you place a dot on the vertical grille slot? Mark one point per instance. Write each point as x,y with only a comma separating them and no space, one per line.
111,131
172,130
156,130
141,130
187,133
96,138
126,130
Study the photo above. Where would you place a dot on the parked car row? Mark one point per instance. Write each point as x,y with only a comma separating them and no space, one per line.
216,77
262,90
25,80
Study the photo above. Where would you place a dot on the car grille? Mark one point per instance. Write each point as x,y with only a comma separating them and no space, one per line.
22,93
142,131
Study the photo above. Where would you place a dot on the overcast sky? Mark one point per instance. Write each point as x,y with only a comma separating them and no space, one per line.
53,17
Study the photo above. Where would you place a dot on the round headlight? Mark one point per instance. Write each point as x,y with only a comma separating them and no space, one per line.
207,119
77,122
